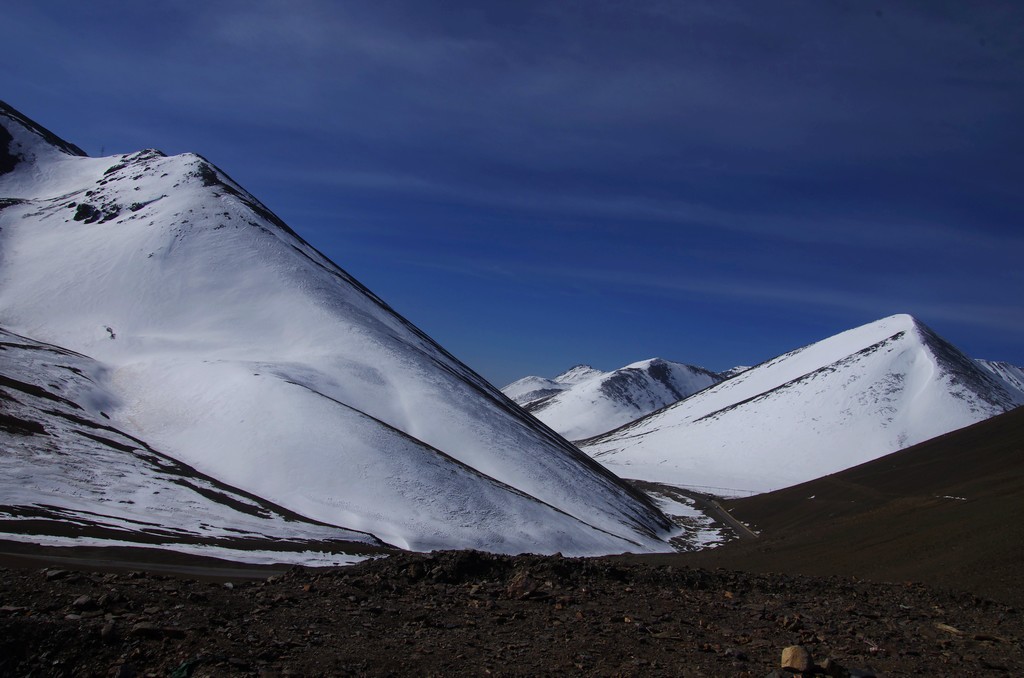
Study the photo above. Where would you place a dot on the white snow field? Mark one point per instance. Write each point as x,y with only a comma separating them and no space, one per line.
584,402
226,342
837,403
69,476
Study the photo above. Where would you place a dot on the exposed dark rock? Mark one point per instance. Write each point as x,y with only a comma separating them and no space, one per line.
21,427
8,160
87,213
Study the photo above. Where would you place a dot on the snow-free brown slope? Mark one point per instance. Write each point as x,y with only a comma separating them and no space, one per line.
949,511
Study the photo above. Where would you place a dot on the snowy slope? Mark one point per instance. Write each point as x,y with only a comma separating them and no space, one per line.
69,472
814,411
584,402
1010,375
233,346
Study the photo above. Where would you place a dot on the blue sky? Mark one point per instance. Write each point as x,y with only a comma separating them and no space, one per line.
543,184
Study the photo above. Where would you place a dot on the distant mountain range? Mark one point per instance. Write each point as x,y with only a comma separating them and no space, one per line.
584,402
166,335
179,369
819,409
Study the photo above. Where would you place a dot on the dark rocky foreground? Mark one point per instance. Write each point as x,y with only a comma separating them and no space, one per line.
470,613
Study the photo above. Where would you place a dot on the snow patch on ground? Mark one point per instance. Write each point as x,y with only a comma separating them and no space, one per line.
252,557
699,531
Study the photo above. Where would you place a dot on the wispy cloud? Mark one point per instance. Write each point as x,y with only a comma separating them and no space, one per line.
842,158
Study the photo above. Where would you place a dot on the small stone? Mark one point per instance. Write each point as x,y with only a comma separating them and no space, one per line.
146,630
124,671
109,632
84,603
736,654
833,669
521,586
796,658
52,575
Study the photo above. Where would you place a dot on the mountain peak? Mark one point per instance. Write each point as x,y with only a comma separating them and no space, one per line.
890,325
644,364
575,375
22,139
584,402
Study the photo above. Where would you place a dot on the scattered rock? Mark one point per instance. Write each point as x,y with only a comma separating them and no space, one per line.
87,213
146,630
84,603
108,634
521,586
453,614
738,655
796,658
123,671
830,667
949,629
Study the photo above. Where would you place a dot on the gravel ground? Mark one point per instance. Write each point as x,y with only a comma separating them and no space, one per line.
457,613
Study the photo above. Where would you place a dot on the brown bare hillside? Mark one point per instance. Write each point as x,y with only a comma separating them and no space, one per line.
949,512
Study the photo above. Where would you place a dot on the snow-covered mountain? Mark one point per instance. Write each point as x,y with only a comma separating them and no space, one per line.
1010,375
819,409
584,402
219,337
